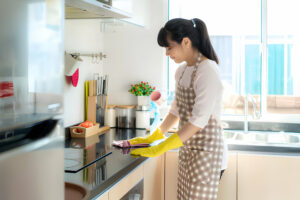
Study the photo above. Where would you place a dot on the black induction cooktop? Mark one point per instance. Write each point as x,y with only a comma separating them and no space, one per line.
83,152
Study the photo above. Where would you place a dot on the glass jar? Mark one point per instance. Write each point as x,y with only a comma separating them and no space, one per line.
125,116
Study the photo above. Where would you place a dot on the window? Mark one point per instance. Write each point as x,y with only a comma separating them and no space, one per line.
257,42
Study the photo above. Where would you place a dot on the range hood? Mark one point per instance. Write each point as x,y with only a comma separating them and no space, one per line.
92,9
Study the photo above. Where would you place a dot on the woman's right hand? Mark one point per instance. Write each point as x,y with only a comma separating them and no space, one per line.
156,135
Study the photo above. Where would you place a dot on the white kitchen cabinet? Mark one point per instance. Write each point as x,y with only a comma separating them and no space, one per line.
171,171
268,177
247,177
122,187
152,174
154,178
227,188
92,9
138,9
103,197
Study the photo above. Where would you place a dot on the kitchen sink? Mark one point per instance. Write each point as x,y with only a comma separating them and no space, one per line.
293,139
252,137
228,135
261,137
261,126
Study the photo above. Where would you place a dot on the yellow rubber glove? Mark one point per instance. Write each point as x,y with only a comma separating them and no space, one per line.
156,135
171,142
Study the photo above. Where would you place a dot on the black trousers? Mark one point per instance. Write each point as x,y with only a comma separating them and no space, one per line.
222,171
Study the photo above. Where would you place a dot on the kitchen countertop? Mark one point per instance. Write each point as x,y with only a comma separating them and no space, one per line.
100,176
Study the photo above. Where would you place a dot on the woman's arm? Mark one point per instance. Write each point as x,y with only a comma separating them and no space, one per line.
187,131
168,123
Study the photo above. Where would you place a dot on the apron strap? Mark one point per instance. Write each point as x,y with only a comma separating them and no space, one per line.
182,74
194,72
193,77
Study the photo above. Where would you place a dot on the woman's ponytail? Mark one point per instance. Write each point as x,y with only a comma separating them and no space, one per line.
204,45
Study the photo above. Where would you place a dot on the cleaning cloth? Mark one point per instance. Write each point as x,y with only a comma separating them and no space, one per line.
126,144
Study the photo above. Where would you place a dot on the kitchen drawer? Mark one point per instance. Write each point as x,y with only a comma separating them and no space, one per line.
121,188
103,197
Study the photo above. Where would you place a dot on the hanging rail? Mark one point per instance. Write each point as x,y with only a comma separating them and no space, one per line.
96,57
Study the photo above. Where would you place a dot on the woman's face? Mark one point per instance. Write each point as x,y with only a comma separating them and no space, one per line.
177,52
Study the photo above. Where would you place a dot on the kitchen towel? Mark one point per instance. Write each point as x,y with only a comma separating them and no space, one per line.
71,67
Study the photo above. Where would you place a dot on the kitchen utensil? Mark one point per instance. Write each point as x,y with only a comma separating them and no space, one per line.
86,94
100,114
92,109
91,88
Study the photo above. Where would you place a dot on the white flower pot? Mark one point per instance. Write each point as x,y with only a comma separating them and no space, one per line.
143,100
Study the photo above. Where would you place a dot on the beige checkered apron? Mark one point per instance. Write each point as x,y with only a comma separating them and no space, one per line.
200,158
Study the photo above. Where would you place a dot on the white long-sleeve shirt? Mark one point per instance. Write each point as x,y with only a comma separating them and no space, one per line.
208,89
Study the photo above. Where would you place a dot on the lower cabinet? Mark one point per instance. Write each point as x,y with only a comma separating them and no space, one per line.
227,187
126,184
147,181
268,177
228,183
103,197
171,171
247,177
154,178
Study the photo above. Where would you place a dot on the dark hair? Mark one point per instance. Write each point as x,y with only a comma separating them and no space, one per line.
194,29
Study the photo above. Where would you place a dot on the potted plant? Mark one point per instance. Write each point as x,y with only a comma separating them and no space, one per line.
143,91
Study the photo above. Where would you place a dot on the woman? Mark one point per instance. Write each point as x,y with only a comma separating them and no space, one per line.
197,106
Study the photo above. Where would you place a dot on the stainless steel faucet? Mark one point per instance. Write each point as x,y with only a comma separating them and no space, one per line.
255,114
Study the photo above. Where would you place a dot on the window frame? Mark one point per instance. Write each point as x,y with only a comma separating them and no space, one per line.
263,52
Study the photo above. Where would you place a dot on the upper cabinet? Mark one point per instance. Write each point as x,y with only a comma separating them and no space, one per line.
92,9
138,9
130,11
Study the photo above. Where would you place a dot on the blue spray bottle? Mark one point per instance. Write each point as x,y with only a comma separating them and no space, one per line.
156,120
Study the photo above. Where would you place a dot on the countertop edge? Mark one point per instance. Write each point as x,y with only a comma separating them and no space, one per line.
111,182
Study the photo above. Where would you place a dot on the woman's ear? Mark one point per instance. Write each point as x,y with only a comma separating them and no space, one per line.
186,42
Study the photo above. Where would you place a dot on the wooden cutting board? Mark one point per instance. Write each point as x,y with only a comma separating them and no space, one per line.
86,132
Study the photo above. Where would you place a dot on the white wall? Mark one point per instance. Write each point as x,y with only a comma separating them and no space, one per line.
132,55
81,36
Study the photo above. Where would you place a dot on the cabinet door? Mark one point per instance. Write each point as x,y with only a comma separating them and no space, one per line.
118,191
138,10
103,197
268,177
171,172
154,178
227,187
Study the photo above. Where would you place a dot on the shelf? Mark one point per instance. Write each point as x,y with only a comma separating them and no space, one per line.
92,9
